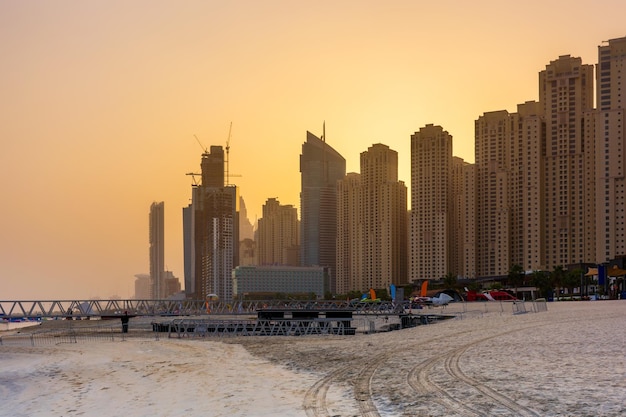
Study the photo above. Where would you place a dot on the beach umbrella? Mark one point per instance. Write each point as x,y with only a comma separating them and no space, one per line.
592,272
615,271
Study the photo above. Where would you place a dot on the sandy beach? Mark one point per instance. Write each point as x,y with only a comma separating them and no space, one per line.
568,361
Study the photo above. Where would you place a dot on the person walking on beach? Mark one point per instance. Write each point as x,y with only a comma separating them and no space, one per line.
125,319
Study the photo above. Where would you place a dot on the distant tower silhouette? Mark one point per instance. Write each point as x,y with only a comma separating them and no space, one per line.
277,242
157,245
320,167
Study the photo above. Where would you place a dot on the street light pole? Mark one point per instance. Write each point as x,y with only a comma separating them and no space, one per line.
582,274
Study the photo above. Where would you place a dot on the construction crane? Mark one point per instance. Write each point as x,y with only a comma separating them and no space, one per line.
202,146
206,152
230,129
228,174
193,177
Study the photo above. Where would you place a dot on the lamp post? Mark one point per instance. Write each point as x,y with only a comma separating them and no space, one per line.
582,275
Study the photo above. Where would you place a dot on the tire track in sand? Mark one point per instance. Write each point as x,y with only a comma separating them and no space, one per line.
453,368
418,379
315,399
315,404
363,385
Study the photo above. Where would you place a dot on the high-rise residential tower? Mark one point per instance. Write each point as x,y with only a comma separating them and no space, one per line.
320,167
566,96
457,222
528,244
468,203
496,188
350,235
431,213
372,224
277,238
610,145
535,177
157,249
384,205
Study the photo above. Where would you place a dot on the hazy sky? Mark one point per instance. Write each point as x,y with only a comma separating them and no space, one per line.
100,102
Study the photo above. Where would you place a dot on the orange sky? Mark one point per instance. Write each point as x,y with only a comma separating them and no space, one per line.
100,102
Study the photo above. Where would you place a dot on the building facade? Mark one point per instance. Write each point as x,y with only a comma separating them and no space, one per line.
610,147
468,221
157,250
535,177
431,211
143,287
320,168
248,280
496,180
372,224
277,237
215,229
188,249
566,96
172,284
456,196
350,235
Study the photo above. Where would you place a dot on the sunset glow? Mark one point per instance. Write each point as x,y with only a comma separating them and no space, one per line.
100,102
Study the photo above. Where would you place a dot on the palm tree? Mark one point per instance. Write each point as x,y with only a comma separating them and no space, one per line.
542,281
516,276
450,281
558,278
572,280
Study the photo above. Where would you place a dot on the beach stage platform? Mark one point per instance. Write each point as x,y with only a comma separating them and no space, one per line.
269,322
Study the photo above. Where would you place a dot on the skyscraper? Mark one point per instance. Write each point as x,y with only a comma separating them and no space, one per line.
278,232
372,224
468,199
320,167
496,189
384,200
610,145
157,245
457,223
431,215
188,248
350,235
566,96
215,229
143,287
246,228
529,248
535,177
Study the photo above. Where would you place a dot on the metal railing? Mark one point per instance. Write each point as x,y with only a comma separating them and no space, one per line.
113,308
69,332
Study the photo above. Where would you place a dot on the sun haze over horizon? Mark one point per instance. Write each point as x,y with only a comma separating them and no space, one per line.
102,102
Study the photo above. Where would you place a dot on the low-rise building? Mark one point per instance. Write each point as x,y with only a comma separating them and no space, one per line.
280,279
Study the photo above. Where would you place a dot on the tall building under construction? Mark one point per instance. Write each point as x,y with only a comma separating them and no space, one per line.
214,226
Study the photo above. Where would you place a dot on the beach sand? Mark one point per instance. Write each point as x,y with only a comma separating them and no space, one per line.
568,361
